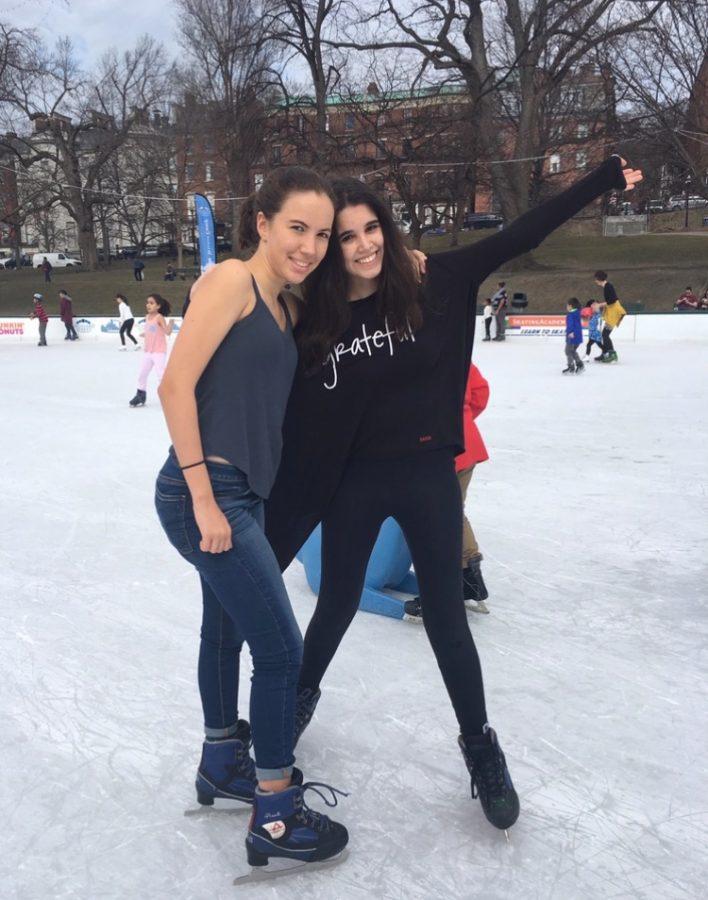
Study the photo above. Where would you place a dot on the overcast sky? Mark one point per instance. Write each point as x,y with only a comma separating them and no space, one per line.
95,25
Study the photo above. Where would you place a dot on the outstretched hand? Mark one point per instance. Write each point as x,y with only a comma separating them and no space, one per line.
632,176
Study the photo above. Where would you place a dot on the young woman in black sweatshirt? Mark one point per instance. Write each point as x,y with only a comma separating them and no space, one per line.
374,423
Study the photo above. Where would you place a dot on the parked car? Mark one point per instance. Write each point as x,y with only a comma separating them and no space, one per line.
100,253
694,202
127,252
8,262
482,220
653,206
58,260
150,252
434,231
167,248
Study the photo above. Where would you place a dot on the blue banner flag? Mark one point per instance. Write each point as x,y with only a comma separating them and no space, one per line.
206,231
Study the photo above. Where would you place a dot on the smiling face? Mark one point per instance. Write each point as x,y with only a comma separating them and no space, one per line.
294,241
362,242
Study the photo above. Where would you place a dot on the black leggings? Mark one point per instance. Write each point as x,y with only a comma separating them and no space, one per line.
607,345
423,494
589,346
127,328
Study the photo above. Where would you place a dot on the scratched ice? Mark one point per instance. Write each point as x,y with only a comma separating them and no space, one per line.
592,519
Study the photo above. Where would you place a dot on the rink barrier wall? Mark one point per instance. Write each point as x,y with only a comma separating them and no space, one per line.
668,326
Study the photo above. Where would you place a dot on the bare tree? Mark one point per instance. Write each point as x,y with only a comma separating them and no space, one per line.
231,76
526,48
665,81
307,29
80,122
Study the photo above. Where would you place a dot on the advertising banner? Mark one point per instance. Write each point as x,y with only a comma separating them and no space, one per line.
206,231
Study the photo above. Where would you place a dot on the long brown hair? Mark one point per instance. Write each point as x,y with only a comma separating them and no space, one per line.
327,313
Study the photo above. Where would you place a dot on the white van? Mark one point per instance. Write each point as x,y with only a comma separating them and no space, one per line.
57,260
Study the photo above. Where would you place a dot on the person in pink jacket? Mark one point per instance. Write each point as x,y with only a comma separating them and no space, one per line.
476,399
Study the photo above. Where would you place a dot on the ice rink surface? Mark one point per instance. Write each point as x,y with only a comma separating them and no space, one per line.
592,518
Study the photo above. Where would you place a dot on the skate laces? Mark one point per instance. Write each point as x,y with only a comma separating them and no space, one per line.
491,772
244,767
316,820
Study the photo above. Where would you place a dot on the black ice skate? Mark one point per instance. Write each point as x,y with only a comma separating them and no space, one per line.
413,611
579,368
474,590
139,399
282,825
305,706
569,371
490,778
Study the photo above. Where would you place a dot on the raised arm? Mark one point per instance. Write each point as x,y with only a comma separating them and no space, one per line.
531,229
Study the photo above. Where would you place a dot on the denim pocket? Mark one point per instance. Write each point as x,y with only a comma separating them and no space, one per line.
170,503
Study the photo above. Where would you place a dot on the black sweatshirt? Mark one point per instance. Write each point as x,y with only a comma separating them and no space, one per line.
380,397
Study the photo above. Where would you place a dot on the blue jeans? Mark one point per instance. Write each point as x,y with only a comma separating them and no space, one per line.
244,599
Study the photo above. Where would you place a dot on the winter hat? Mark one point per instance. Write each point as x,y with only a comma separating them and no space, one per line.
36,296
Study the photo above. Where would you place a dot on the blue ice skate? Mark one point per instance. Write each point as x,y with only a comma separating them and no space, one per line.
283,825
226,772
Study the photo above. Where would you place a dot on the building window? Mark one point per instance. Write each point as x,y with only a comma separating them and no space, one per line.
581,159
554,164
407,113
582,131
349,121
208,172
276,155
189,171
327,122
258,180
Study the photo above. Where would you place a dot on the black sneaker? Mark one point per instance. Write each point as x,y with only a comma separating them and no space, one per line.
413,610
490,778
305,706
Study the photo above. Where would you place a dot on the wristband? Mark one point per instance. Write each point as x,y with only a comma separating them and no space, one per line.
202,462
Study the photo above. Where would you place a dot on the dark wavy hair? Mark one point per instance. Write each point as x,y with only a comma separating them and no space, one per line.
163,305
327,313
272,194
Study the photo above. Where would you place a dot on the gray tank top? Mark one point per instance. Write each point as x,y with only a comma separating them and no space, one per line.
243,392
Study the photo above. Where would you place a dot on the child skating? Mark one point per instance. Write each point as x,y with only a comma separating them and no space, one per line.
157,330
488,316
594,329
573,337
39,313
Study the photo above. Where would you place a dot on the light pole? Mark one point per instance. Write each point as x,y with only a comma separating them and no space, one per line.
687,185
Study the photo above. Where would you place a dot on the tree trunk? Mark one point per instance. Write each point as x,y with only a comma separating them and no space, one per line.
87,240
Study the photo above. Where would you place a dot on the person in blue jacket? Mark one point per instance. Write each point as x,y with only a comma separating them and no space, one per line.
594,328
573,337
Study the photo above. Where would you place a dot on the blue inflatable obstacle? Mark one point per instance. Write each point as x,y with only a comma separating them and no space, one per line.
389,567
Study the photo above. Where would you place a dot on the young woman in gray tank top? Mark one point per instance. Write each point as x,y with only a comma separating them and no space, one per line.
224,395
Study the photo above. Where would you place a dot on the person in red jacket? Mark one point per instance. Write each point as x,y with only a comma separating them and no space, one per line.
66,314
476,399
473,586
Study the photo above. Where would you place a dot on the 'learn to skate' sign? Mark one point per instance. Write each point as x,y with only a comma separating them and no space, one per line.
537,326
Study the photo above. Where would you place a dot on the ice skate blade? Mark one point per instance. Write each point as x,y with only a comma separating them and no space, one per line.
477,607
279,867
506,835
220,805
